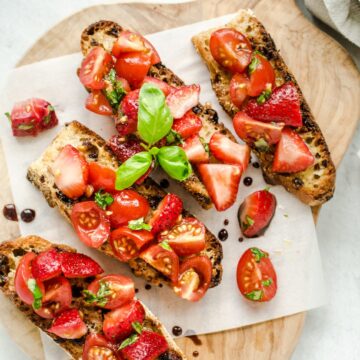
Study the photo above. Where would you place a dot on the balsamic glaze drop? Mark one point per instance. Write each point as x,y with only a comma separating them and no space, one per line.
241,239
195,353
226,222
9,211
256,165
248,181
28,215
177,330
164,183
223,234
147,286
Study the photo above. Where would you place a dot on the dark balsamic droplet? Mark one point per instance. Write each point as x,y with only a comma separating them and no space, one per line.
195,339
223,234
136,291
241,239
256,165
195,353
28,215
248,181
164,183
9,211
177,330
147,286
226,222
160,285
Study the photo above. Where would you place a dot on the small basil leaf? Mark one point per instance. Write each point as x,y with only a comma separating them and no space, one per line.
8,115
174,161
101,297
130,340
258,254
267,282
132,169
37,294
253,65
137,327
255,295
154,117
103,199
249,222
139,224
262,145
165,245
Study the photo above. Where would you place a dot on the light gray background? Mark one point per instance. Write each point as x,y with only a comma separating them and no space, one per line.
331,332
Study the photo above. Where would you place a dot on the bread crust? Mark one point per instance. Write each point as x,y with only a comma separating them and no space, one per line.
313,186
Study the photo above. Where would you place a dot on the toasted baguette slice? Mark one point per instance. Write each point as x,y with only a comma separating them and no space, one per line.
313,186
10,255
104,33
94,148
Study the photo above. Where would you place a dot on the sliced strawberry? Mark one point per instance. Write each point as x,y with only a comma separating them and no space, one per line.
166,214
149,346
117,323
46,265
126,122
229,151
195,150
222,183
256,212
75,265
188,125
69,325
162,85
183,99
291,154
282,106
71,172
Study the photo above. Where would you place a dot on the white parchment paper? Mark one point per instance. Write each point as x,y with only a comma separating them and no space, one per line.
290,240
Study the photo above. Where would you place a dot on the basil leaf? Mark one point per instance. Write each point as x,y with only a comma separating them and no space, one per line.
103,199
174,138
261,145
258,254
267,282
165,245
132,169
139,224
154,117
253,65
249,222
101,297
265,95
130,340
137,327
115,91
7,114
255,295
175,162
34,288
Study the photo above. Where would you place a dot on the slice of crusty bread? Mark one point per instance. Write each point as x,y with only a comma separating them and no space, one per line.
94,148
10,255
313,186
104,33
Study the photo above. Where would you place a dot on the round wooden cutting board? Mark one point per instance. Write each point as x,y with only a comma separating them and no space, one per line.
329,80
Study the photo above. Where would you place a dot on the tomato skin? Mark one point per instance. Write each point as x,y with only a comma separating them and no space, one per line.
126,243
97,103
162,85
252,271
101,177
22,275
128,41
194,279
151,51
122,287
231,49
128,205
133,67
96,347
94,67
239,89
91,235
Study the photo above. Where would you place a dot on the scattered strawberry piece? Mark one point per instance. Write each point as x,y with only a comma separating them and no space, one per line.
282,106
229,151
183,99
126,122
291,154
162,85
46,265
149,346
222,183
256,212
117,323
71,172
166,214
75,265
188,125
195,150
69,325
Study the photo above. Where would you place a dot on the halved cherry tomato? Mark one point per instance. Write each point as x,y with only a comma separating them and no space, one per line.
57,297
128,205
194,279
126,243
186,238
239,89
262,75
98,103
46,265
133,67
97,347
119,290
128,41
90,223
163,260
94,67
22,276
154,56
162,85
101,177
231,49
256,276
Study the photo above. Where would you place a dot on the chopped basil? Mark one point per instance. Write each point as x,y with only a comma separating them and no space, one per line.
115,91
51,108
25,126
130,340
261,145
265,95
137,327
267,188
258,254
139,224
37,294
103,199
286,215
205,145
100,298
165,245
267,282
255,295
253,65
7,114
249,222
174,138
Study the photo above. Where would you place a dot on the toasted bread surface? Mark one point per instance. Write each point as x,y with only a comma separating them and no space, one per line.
10,255
316,184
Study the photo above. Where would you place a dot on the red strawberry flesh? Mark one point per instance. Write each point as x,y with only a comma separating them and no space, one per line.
183,99
188,125
126,122
75,265
195,150
46,265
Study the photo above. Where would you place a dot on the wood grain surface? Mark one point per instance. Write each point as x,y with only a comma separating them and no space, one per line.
330,82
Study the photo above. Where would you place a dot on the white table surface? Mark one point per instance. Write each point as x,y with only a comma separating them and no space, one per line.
331,332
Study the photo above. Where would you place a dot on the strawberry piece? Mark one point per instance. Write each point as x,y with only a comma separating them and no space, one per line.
256,212
126,122
282,106
166,214
149,346
188,125
292,154
162,85
117,323
68,325
46,265
195,150
75,265
71,172
183,99
229,151
222,183
45,113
